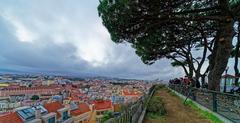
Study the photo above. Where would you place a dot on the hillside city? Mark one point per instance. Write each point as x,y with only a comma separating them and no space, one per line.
39,98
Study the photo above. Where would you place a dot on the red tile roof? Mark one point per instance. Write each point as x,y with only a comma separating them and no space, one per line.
12,117
131,93
83,108
105,104
74,98
53,107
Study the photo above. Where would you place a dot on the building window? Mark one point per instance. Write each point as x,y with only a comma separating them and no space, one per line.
65,115
102,113
98,113
51,120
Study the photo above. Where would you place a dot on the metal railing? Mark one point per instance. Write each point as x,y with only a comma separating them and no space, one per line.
224,104
132,114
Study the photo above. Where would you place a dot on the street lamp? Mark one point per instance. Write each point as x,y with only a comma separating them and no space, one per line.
225,81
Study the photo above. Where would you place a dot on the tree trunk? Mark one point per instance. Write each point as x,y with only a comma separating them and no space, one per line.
203,79
190,62
220,55
191,69
185,70
198,71
203,76
236,58
223,49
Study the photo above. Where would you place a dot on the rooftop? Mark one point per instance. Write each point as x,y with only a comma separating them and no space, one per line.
53,107
82,108
103,104
11,118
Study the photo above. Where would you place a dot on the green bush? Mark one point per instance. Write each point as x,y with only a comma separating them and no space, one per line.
106,116
35,98
152,116
158,87
156,106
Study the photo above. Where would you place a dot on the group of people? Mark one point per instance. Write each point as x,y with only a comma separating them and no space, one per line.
185,81
235,90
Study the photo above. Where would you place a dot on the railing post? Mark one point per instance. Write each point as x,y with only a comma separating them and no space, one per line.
125,117
194,95
130,116
122,119
114,120
214,101
117,120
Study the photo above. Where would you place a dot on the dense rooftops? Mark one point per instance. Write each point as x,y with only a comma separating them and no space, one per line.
102,104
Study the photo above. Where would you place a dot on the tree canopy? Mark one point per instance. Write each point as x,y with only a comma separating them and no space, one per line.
35,97
160,28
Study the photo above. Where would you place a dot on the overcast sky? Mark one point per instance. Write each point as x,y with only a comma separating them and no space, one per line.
67,37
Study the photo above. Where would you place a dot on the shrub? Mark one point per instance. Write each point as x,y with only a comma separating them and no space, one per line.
156,106
35,97
158,87
106,116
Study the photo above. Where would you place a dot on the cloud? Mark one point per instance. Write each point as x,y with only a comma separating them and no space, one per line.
67,37
22,33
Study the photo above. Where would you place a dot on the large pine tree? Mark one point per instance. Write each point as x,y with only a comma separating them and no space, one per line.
157,28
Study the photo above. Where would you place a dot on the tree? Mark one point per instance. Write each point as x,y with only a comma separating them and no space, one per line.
157,28
35,98
106,116
223,44
186,59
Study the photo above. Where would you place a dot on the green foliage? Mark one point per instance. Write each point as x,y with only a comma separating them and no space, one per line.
203,113
99,99
147,26
234,3
173,94
106,116
168,90
159,28
156,106
234,53
152,116
179,63
35,97
158,87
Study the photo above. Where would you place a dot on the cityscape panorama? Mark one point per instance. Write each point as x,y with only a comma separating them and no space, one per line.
119,61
